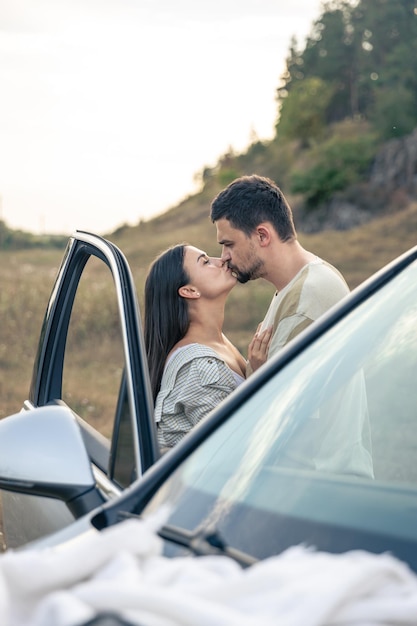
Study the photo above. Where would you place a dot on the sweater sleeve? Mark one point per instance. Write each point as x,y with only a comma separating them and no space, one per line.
200,385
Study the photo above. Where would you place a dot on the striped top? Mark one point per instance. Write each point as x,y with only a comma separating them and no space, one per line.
195,380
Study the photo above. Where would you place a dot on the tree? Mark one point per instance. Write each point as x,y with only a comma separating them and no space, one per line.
385,36
366,52
330,55
394,112
303,112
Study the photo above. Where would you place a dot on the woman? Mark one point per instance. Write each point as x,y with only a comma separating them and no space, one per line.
192,364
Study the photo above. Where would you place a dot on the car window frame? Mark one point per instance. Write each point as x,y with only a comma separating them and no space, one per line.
46,385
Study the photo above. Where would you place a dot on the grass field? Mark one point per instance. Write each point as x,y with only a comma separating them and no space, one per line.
27,277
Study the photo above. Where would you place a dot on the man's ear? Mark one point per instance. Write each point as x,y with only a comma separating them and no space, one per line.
263,232
188,291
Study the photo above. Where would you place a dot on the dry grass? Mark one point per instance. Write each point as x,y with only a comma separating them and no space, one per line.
26,279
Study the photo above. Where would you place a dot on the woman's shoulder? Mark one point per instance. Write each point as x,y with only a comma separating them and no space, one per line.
185,352
194,361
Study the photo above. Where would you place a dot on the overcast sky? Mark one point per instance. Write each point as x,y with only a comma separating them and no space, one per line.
108,108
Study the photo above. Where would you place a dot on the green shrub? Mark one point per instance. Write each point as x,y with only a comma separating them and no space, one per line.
335,164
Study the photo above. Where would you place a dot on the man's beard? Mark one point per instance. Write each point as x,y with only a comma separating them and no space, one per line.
243,277
252,273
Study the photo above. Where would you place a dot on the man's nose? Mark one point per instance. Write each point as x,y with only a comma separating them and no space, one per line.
225,255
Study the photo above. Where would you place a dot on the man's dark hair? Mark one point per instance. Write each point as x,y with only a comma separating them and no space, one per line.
250,200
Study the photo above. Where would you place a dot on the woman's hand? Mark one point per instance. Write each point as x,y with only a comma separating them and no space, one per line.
258,347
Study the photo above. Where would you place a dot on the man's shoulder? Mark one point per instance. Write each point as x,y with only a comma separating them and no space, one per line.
315,289
321,274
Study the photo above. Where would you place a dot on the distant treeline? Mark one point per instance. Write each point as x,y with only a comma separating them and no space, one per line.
19,239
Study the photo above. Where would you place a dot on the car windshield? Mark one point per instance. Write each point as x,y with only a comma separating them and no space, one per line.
324,452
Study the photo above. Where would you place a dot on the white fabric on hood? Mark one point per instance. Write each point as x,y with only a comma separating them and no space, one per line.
122,570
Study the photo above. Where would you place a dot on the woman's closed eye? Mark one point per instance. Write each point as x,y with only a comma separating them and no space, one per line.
205,258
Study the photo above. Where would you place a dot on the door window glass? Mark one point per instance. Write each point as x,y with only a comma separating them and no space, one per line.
94,357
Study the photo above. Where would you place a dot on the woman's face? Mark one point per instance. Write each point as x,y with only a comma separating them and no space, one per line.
209,275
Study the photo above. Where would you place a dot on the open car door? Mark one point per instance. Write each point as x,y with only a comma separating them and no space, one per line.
91,358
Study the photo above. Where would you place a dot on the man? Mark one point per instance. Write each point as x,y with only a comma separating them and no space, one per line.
255,227
256,230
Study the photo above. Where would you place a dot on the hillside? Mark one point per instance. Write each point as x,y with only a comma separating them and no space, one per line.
27,276
358,252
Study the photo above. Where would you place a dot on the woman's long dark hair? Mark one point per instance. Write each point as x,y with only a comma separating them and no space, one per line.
166,312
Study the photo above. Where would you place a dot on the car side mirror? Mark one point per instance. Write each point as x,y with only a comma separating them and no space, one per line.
42,453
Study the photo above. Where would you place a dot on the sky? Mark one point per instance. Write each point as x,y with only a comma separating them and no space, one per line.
109,108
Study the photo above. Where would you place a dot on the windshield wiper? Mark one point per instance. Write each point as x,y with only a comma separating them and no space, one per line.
204,542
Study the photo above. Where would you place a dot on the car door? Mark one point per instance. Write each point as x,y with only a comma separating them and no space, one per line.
91,358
